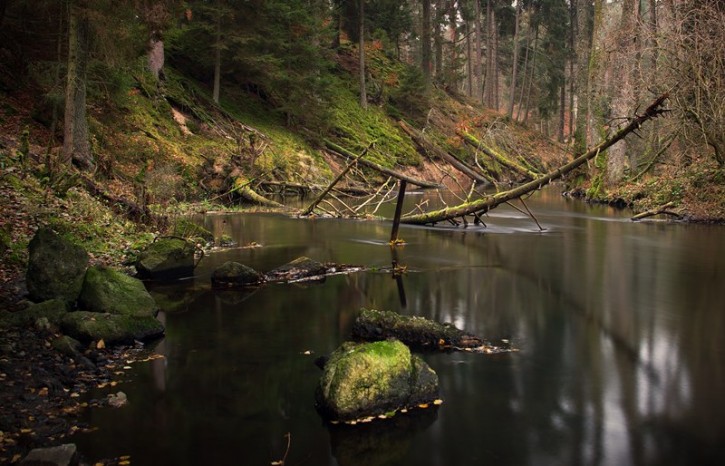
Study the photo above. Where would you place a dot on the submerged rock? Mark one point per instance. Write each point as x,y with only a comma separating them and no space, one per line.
63,455
370,379
166,258
372,324
111,328
107,290
302,267
234,274
55,267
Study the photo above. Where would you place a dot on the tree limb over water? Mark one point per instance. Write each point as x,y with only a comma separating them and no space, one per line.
489,202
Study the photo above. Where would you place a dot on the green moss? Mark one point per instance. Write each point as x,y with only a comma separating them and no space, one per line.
107,290
93,326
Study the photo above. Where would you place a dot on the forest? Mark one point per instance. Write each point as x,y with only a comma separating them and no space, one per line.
119,120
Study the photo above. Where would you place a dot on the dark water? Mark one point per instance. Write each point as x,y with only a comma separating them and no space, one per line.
620,326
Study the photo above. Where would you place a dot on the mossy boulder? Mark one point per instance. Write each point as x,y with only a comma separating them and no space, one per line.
55,267
371,324
166,258
369,379
111,328
302,267
233,274
52,310
108,290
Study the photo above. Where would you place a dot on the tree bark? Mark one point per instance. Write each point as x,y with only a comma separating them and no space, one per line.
217,58
76,144
514,65
425,42
479,58
361,47
487,203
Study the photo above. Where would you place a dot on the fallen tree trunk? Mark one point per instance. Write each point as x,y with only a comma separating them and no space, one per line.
505,161
659,210
430,148
487,203
241,187
346,154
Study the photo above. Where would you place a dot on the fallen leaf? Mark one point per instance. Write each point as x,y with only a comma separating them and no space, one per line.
101,344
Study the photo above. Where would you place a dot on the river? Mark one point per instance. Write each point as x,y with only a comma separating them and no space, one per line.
619,326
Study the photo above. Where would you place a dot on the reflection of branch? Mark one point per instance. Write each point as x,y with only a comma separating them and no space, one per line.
284,458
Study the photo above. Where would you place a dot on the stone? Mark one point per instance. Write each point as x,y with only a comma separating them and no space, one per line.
67,345
371,324
302,267
185,228
166,258
63,455
111,328
114,292
234,274
361,380
55,267
117,400
52,311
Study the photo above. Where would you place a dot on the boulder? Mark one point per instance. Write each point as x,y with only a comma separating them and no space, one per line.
55,267
302,267
361,380
372,324
52,310
111,328
185,228
108,290
166,258
234,274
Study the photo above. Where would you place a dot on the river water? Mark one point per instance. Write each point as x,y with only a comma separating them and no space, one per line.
620,328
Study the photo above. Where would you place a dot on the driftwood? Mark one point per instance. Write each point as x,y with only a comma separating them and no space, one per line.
487,203
503,160
346,154
657,211
430,148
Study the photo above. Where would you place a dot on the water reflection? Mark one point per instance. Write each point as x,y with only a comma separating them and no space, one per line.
619,327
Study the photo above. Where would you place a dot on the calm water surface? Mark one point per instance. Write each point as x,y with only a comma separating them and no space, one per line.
620,327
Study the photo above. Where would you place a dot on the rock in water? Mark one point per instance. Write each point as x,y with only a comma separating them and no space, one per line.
63,455
234,274
55,267
94,326
302,267
372,324
166,258
368,379
107,290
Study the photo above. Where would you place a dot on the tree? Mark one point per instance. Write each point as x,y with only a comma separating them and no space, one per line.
425,38
76,144
361,51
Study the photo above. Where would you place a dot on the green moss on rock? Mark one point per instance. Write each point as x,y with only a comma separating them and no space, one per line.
372,324
107,290
55,267
166,258
92,326
234,274
370,379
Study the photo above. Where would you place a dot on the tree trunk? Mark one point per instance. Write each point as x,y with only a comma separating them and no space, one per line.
469,60
489,78
479,58
515,63
623,98
76,145
425,42
438,39
523,80
532,73
217,58
361,46
487,203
